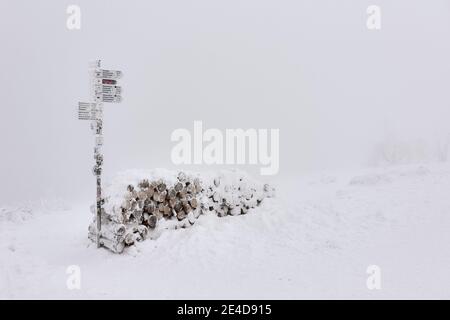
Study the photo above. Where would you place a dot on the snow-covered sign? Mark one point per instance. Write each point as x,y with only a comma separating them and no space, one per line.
108,74
87,111
108,89
111,98
104,81
105,86
86,105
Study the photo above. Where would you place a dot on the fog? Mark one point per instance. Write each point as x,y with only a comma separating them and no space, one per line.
309,68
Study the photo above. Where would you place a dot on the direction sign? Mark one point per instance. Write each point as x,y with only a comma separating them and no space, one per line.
88,115
104,81
108,89
86,105
108,74
88,111
112,98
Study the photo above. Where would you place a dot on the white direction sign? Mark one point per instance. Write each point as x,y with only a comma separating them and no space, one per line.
88,111
108,89
86,105
112,98
108,74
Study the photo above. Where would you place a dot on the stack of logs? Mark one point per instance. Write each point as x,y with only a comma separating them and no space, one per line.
179,205
152,201
235,195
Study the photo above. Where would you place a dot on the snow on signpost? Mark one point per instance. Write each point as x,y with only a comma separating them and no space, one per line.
104,89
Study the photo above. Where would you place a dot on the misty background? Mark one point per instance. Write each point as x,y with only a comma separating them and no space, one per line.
338,92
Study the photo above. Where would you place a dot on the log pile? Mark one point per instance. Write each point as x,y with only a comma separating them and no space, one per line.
170,205
234,193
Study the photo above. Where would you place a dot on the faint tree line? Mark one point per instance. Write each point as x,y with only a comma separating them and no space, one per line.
392,151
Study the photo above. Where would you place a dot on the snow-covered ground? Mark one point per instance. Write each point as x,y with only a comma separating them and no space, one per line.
314,240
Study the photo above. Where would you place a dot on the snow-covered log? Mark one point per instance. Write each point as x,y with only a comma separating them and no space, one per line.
138,205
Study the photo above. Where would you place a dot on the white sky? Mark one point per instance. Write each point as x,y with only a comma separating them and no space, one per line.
310,68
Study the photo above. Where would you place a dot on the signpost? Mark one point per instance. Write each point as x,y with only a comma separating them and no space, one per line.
104,89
